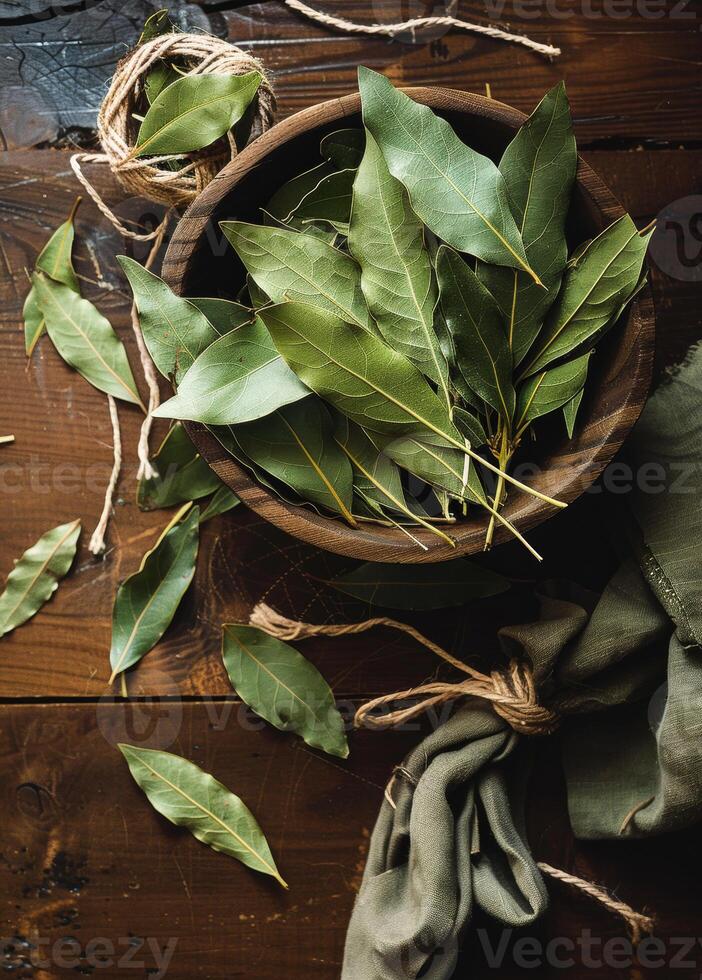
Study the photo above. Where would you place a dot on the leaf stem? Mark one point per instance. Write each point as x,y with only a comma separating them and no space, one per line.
504,459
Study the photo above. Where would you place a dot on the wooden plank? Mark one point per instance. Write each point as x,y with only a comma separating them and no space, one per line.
84,856
57,469
629,79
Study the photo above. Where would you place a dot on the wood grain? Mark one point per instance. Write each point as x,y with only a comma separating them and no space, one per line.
619,375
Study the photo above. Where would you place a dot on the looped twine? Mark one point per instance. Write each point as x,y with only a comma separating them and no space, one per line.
174,185
512,693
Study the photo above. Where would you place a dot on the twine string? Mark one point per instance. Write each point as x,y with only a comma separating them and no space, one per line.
391,30
512,693
97,541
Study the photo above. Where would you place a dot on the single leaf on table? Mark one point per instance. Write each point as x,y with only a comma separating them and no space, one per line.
36,575
420,587
224,315
147,601
387,240
175,332
181,474
593,294
459,194
85,339
238,378
295,445
291,265
343,148
549,390
539,170
475,323
222,500
356,372
283,687
192,798
54,260
194,111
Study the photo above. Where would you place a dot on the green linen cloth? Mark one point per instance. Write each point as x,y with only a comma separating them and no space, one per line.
624,669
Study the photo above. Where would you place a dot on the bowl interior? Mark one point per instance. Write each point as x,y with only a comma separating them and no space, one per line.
201,262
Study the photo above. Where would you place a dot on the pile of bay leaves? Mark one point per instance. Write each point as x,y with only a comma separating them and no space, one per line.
410,311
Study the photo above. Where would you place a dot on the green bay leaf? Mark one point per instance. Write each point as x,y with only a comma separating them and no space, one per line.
224,315
222,501
295,445
549,390
420,587
594,292
290,265
85,339
475,323
147,601
387,240
459,194
175,332
343,148
54,260
283,687
194,111
181,474
238,378
36,575
539,167
191,798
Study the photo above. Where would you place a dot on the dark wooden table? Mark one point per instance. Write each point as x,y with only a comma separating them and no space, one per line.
91,879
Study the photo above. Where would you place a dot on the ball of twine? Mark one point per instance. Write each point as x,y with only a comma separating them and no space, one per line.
169,184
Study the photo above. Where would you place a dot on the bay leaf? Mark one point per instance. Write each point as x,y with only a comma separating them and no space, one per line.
356,372
470,426
147,601
160,76
182,474
387,240
175,332
194,111
282,205
222,501
376,477
54,260
539,167
343,148
549,390
329,200
295,445
283,687
85,339
238,378
475,323
594,291
191,798
299,267
224,315
36,575
156,25
439,464
459,194
570,412
420,587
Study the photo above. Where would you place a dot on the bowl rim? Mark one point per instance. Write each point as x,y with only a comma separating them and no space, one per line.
580,464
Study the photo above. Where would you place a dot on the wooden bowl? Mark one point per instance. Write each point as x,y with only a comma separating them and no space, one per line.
199,262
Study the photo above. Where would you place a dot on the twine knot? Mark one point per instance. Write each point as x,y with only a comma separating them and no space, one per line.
512,692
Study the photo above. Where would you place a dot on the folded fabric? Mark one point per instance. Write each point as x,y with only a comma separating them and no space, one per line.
623,670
